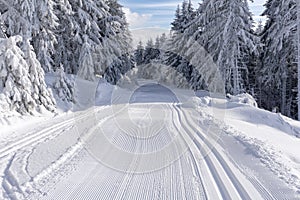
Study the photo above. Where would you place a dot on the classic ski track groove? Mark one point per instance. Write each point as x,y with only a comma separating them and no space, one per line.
41,135
44,135
214,160
212,175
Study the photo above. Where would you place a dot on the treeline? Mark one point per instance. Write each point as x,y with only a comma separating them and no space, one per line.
261,61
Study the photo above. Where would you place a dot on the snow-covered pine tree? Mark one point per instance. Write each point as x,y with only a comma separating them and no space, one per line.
279,60
41,94
139,54
22,78
20,18
33,20
298,46
148,54
86,61
43,37
187,15
176,24
174,55
162,40
84,18
63,86
2,28
157,48
227,35
15,82
65,37
112,74
117,41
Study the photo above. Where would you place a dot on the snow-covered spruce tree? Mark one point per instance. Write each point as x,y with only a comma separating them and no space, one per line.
78,19
298,46
154,51
99,25
157,50
2,28
33,20
279,60
118,41
149,52
22,78
174,55
176,24
40,93
63,86
86,62
20,18
162,40
139,54
15,82
226,33
44,37
66,41
112,74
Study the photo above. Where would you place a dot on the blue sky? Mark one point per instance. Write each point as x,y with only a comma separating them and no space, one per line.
160,13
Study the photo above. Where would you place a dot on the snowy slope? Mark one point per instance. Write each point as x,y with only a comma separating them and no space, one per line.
149,141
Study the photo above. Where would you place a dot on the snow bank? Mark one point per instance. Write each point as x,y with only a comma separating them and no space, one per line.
270,137
245,98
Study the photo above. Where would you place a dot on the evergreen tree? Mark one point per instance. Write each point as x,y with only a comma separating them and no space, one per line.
175,25
280,58
63,86
34,20
85,29
139,54
149,49
157,49
15,82
86,62
43,37
40,93
174,55
22,78
2,28
66,43
162,40
227,35
118,42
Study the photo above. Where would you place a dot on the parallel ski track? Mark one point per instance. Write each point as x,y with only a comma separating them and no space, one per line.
48,134
259,187
194,165
217,165
42,135
173,182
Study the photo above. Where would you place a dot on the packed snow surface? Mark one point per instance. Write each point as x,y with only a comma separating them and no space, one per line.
150,141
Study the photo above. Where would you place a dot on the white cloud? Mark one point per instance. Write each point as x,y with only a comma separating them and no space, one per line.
135,19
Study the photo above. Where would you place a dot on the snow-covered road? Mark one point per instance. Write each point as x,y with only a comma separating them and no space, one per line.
152,147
